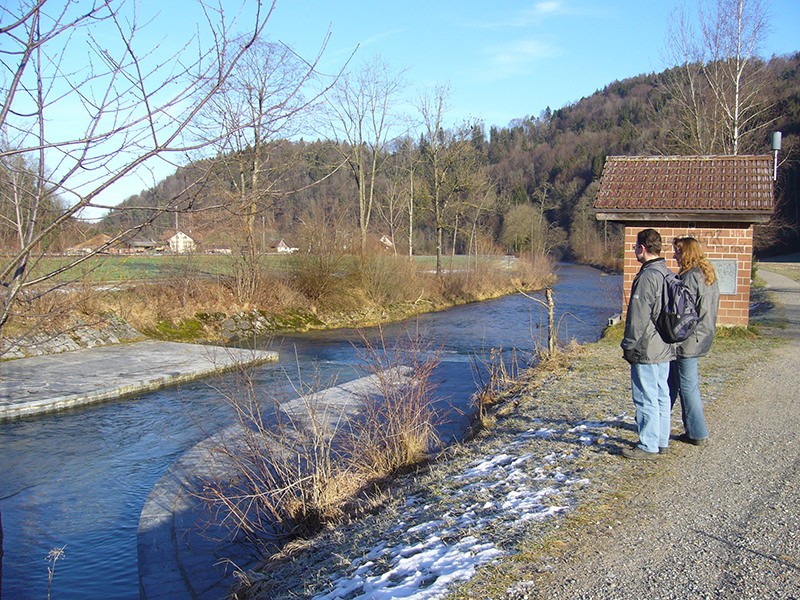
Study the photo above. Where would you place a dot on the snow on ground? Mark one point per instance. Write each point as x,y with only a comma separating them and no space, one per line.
436,544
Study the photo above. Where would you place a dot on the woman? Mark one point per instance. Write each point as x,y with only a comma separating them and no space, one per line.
699,277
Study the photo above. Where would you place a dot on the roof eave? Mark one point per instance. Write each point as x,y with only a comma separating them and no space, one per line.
694,216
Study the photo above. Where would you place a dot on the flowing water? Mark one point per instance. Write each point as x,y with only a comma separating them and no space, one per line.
79,479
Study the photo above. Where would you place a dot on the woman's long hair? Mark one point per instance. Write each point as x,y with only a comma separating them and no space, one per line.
692,256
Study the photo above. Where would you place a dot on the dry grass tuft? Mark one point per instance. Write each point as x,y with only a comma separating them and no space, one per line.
292,467
395,428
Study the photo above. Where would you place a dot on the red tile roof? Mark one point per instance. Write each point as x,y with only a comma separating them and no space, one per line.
712,187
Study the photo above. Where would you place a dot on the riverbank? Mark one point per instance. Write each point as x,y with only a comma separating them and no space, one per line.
193,309
500,512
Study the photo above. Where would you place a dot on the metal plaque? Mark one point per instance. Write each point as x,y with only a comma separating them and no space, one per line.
727,274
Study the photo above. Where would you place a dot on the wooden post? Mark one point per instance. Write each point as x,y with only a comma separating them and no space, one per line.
551,326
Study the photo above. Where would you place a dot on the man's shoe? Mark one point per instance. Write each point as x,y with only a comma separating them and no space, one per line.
663,449
637,453
694,442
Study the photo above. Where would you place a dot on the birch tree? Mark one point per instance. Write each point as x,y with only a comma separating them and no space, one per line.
717,89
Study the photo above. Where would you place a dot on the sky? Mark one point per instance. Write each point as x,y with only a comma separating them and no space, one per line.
501,60
506,59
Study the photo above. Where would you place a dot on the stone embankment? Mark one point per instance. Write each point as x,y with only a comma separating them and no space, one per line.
91,363
55,382
79,335
115,330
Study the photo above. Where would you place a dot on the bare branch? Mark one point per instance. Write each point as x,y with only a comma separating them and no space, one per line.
132,104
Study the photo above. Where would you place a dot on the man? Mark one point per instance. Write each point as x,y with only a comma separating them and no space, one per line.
648,355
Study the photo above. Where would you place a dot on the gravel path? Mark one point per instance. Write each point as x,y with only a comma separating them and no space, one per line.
722,521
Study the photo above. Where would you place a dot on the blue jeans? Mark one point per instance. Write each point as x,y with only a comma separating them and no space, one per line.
650,393
683,381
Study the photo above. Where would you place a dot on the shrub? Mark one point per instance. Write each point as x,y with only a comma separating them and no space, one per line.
290,467
319,276
396,427
388,279
283,475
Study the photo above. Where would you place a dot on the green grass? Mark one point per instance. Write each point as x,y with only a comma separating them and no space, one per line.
118,268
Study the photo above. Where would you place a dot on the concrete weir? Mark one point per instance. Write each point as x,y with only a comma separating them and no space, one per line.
42,384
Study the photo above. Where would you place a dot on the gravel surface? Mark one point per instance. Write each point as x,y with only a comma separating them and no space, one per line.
719,521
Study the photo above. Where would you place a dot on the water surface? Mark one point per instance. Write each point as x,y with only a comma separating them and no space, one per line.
80,478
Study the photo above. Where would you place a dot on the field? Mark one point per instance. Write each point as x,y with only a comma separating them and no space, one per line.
113,268
158,267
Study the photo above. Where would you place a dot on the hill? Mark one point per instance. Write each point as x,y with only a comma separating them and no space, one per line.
525,187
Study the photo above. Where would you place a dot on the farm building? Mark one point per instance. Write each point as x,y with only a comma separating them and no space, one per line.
180,243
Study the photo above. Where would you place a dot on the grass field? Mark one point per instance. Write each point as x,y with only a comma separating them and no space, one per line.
141,267
116,268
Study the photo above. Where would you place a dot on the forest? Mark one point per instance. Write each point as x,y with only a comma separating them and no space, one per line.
528,187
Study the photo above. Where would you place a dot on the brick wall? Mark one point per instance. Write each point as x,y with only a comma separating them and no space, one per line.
729,241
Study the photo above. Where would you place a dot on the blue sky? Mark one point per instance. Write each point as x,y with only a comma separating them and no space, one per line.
501,59
504,59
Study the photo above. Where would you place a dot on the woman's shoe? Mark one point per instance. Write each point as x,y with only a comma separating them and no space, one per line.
693,441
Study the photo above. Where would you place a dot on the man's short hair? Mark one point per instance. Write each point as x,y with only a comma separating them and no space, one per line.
651,240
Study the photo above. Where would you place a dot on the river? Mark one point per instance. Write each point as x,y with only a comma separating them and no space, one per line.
79,479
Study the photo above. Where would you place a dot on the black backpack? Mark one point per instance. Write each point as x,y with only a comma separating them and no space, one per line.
678,317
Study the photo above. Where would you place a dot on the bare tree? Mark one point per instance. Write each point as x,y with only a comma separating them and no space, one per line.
392,209
585,238
717,90
546,236
363,124
469,186
402,190
258,108
451,170
129,103
434,147
518,227
527,225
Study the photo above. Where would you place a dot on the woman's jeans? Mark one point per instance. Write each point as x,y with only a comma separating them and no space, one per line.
683,381
651,400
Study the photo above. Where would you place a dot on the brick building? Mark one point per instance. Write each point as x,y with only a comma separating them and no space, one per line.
716,199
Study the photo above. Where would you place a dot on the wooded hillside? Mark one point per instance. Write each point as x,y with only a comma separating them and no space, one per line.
525,187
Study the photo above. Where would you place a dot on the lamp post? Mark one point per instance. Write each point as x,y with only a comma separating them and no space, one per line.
776,145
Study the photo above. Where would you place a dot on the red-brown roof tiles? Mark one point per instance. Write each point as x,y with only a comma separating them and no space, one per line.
717,185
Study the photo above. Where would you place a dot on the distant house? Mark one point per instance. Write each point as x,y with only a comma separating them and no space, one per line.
283,248
138,245
180,243
715,199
